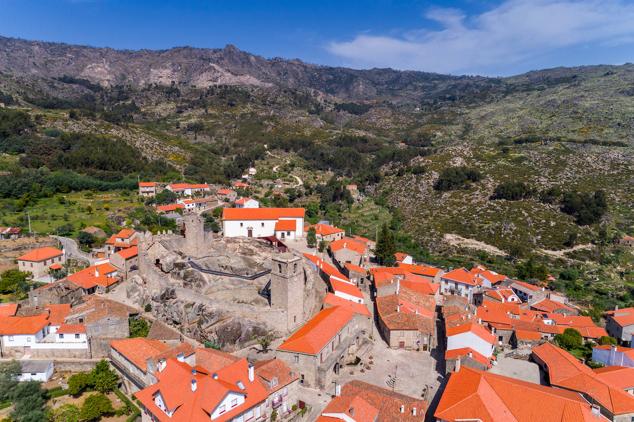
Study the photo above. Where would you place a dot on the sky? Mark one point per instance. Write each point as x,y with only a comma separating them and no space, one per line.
488,37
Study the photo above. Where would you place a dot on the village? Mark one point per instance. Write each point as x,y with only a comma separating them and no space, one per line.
274,318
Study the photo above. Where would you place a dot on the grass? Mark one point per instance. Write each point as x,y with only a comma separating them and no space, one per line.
365,218
79,209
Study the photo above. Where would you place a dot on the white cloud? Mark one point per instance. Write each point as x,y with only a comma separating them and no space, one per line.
516,31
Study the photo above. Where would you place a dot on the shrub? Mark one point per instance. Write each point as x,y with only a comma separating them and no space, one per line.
95,406
570,339
512,191
454,178
586,208
78,383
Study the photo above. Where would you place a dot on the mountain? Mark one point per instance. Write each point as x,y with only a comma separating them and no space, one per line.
209,113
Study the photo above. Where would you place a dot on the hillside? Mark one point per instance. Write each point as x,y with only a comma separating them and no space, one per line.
207,114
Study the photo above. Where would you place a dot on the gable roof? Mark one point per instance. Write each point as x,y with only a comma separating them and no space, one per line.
474,328
313,336
23,325
619,376
285,225
349,244
565,371
195,405
128,253
8,309
324,229
275,369
423,270
41,254
96,275
261,213
476,395
371,402
147,184
345,287
622,317
138,350
331,300
407,310
461,275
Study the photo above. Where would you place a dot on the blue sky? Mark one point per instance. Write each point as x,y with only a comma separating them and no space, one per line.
460,37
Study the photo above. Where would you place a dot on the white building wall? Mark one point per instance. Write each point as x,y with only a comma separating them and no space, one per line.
261,228
23,340
226,402
349,297
471,340
38,376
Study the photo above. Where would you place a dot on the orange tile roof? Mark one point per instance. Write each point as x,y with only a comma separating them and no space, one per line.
492,276
23,325
623,317
468,352
243,201
619,376
213,360
526,285
423,270
325,267
128,253
274,368
565,371
476,395
345,287
57,313
147,184
407,311
350,244
502,295
401,256
139,350
420,284
169,207
473,327
324,229
41,254
261,213
239,184
96,275
461,275
56,266
313,336
8,309
331,300
356,268
285,225
225,192
183,186
528,335
174,386
71,329
364,397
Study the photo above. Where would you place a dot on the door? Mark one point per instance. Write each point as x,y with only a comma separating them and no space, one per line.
401,344
249,232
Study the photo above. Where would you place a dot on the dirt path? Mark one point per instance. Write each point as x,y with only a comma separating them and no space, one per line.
562,252
459,241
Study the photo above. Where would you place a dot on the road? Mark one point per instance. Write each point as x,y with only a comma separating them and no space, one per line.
72,249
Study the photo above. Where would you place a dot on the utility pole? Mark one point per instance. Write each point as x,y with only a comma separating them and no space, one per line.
395,371
28,216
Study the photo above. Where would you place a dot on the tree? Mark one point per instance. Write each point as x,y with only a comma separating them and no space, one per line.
14,282
530,270
103,378
607,340
9,371
570,339
28,399
139,327
79,382
95,406
65,413
385,246
311,237
265,343
86,239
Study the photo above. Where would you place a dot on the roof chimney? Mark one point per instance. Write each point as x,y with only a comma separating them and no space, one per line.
398,285
214,376
596,410
337,389
458,363
413,411
398,308
180,357
96,271
251,373
194,385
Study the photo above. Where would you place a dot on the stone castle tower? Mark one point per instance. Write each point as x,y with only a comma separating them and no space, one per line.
194,235
287,288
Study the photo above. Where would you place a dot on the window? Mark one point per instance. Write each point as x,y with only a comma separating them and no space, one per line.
234,402
28,339
76,335
262,224
295,267
10,338
61,336
296,356
222,409
241,224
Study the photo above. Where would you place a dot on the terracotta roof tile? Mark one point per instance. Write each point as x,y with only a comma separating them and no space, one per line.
41,254
262,213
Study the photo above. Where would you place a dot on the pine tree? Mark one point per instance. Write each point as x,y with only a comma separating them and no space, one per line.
385,246
311,238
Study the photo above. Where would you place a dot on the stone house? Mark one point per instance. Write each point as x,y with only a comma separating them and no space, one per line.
38,262
326,232
627,241
98,278
148,189
407,320
319,350
348,251
57,292
357,275
126,238
620,325
126,260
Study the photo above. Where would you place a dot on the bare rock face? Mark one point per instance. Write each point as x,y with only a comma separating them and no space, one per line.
207,323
